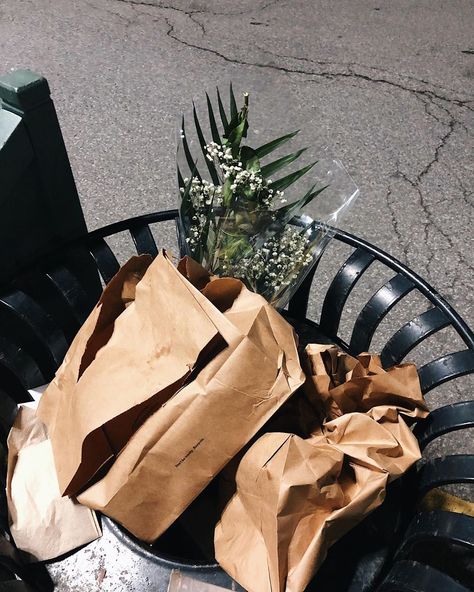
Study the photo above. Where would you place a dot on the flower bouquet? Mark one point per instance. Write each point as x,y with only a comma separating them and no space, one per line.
240,222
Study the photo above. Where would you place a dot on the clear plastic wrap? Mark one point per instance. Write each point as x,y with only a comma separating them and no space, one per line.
237,221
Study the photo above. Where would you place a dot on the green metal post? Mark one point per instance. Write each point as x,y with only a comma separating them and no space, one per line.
39,204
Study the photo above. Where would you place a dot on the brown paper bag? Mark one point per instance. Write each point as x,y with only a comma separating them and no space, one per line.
297,495
166,390
43,523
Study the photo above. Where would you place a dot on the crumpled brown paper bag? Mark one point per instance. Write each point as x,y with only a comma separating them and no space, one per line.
43,523
298,494
169,377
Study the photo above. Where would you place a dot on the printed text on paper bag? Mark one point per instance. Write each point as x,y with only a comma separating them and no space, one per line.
181,461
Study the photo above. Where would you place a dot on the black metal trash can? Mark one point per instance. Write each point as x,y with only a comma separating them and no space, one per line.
42,310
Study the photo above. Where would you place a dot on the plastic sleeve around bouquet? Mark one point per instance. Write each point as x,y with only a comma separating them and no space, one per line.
241,215
282,253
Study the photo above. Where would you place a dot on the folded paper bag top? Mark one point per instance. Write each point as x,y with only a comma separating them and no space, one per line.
230,355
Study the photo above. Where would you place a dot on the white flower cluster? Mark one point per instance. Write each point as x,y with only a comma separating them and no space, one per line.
241,179
217,152
278,262
202,194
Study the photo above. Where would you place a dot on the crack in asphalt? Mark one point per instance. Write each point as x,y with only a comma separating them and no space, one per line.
426,105
350,66
433,222
467,195
198,23
198,11
450,114
430,95
322,74
427,96
442,143
128,22
421,199
401,238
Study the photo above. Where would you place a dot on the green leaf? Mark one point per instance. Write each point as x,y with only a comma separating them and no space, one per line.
203,239
210,165
223,116
249,159
285,213
189,158
180,178
237,129
235,135
273,145
308,198
227,193
269,169
187,208
233,104
285,182
212,121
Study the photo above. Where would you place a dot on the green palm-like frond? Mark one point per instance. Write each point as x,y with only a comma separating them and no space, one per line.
245,208
212,122
234,129
210,165
285,182
274,144
270,169
222,113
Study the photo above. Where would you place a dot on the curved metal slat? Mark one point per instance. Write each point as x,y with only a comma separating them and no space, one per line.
444,420
341,286
307,331
34,331
123,225
143,240
438,526
298,305
8,411
11,383
456,468
43,288
375,310
105,259
411,334
411,576
69,287
21,365
446,368
24,308
14,586
80,262
360,246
